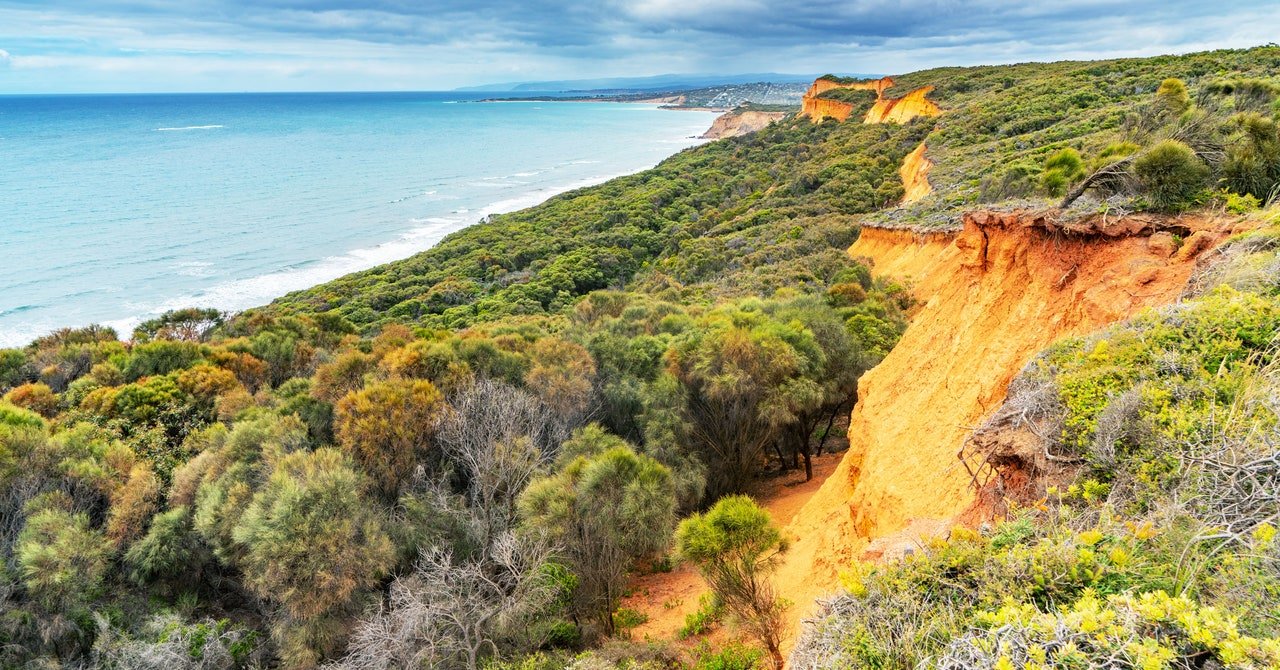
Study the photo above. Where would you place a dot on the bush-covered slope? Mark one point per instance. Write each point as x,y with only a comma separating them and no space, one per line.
734,217
456,459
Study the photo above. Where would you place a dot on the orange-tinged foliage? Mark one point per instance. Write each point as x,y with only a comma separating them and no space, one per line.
561,375
341,376
387,426
393,336
250,370
37,397
132,506
206,382
428,359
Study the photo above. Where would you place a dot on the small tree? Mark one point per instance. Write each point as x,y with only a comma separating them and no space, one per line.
192,324
312,543
741,370
606,511
735,546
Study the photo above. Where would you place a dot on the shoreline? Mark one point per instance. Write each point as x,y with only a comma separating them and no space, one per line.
656,103
237,295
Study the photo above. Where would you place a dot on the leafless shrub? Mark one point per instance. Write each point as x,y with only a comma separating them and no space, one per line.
179,646
451,614
898,624
498,438
1238,264
1119,423
1033,407
1032,403
981,649
1236,482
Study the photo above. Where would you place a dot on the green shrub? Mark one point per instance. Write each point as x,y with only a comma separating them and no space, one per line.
736,546
18,417
625,618
703,619
1252,164
1153,630
1172,176
170,549
61,559
1112,153
1061,169
731,657
1172,96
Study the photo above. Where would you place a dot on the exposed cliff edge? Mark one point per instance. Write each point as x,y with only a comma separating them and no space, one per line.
991,296
915,167
915,175
740,122
902,110
885,110
817,108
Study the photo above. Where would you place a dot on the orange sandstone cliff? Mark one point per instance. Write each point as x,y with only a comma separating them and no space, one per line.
915,168
915,175
902,110
885,110
817,108
740,122
992,296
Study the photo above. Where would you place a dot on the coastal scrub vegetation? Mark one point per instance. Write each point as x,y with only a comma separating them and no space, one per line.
1012,133
456,460
278,490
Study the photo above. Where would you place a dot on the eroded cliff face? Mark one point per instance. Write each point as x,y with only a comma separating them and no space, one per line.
915,175
735,123
902,110
915,168
822,108
992,296
818,109
885,110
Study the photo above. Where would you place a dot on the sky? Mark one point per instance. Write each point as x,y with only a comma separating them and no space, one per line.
87,46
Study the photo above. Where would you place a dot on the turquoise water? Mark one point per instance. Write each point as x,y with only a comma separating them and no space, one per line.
116,208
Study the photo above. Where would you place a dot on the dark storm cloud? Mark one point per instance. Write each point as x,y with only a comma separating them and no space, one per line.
547,24
479,39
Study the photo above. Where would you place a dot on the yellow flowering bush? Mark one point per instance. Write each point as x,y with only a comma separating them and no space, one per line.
1150,631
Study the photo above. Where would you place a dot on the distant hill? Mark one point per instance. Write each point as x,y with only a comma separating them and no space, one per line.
651,83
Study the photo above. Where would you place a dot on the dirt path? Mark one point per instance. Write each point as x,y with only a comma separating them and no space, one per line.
668,597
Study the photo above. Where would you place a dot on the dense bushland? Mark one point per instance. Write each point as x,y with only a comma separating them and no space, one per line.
457,459
281,490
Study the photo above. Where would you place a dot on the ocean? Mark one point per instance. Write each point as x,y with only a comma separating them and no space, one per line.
117,208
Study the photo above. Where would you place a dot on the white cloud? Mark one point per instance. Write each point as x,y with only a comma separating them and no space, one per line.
5,58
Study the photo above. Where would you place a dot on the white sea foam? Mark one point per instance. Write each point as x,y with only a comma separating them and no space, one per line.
210,127
244,293
23,335
193,268
425,230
